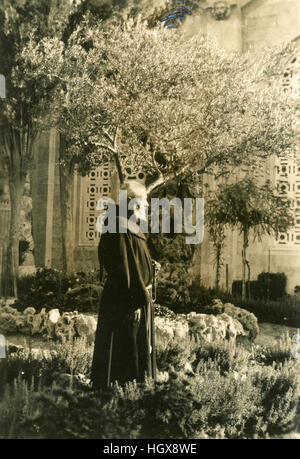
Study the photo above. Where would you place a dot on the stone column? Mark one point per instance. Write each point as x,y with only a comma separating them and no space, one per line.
50,197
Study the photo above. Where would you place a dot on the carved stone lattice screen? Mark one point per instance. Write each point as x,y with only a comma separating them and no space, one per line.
288,169
288,185
95,185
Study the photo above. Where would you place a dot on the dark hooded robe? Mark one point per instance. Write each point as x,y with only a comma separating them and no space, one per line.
124,348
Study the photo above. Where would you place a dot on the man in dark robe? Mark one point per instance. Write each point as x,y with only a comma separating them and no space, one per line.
124,344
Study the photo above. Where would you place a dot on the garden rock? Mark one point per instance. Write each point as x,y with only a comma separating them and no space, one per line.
29,310
64,327
212,328
23,325
8,309
246,318
54,315
38,322
230,324
8,323
85,326
203,327
166,329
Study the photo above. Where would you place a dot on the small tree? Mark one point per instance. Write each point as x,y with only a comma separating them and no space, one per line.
217,233
251,207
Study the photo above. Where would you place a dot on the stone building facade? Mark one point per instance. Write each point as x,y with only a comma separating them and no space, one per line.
238,25
255,24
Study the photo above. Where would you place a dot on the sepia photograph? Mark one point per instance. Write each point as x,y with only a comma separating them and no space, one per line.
149,222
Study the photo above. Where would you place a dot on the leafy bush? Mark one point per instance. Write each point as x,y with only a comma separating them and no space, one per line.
279,397
174,279
173,285
271,286
203,406
284,312
268,286
226,356
49,288
68,357
279,353
172,357
230,392
163,311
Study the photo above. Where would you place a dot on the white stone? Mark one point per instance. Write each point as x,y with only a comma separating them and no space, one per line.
29,310
54,315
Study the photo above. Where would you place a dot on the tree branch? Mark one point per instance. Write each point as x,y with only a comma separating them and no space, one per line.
109,138
117,158
160,181
112,150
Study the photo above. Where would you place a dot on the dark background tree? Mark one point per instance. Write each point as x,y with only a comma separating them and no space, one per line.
23,113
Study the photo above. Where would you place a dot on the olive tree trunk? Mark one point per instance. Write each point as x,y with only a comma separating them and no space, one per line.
244,260
218,266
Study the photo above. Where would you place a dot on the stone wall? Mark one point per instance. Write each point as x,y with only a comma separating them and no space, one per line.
270,22
263,23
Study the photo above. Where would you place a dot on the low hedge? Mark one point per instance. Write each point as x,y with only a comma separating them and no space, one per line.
49,288
268,286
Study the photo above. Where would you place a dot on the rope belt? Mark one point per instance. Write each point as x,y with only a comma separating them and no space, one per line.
149,315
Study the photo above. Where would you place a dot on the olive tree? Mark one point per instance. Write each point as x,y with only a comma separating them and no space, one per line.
178,108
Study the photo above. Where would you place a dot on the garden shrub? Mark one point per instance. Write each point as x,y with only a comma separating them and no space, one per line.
284,312
65,414
225,355
278,353
279,396
203,406
16,404
173,285
174,279
268,286
271,286
48,288
174,355
163,311
68,357
237,288
229,393
44,289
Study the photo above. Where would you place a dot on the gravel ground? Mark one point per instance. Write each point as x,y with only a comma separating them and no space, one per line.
270,334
